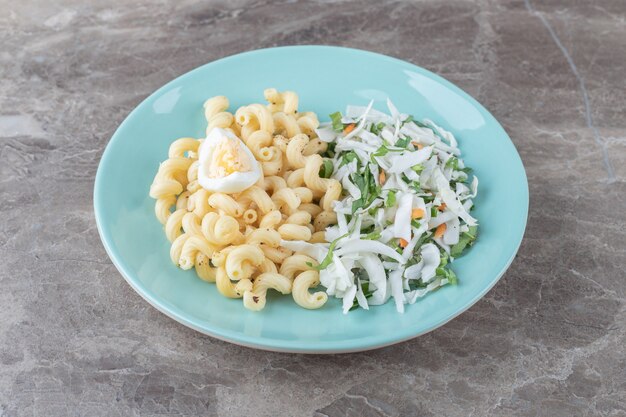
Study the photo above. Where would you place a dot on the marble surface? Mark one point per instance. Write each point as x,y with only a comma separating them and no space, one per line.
548,340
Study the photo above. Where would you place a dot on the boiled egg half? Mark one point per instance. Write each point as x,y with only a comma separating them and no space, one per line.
226,164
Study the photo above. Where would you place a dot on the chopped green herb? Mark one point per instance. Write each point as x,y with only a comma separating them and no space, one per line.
416,284
366,292
433,212
418,168
467,170
382,151
415,223
447,273
443,260
395,246
453,163
407,120
348,157
373,236
357,204
403,143
368,229
330,150
336,119
391,199
377,128
326,170
329,255
428,198
452,279
466,239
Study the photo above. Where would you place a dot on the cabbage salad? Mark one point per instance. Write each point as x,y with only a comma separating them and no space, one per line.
405,211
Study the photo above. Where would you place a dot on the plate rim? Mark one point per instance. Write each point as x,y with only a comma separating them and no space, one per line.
293,346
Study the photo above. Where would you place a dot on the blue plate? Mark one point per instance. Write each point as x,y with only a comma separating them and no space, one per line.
326,79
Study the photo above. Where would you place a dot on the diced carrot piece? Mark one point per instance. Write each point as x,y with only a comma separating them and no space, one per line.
349,128
417,213
403,243
382,177
417,145
442,207
441,229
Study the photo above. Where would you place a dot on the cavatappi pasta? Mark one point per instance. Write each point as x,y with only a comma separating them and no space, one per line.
235,239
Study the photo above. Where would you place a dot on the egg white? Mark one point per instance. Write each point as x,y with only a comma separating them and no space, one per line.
235,182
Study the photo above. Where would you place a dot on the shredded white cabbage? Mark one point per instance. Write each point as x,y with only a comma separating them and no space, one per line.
404,212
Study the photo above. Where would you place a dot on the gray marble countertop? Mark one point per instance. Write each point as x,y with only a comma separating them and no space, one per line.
548,340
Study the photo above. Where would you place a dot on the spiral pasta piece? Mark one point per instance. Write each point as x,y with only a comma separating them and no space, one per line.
296,264
174,224
183,200
250,216
301,294
265,267
203,267
315,146
318,237
296,178
219,258
312,178
198,202
193,245
307,122
163,206
177,248
294,151
332,194
300,218
276,255
225,286
304,194
255,112
274,165
271,220
312,209
192,172
324,219
216,114
260,197
191,224
227,204
294,232
273,183
220,230
183,146
280,142
255,300
286,197
269,237
260,143
242,260
164,184
287,101
286,124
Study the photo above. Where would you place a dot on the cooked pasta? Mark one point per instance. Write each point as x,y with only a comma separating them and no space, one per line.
295,264
235,236
255,299
301,294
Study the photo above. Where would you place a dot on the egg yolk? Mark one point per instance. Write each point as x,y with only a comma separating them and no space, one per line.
228,158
